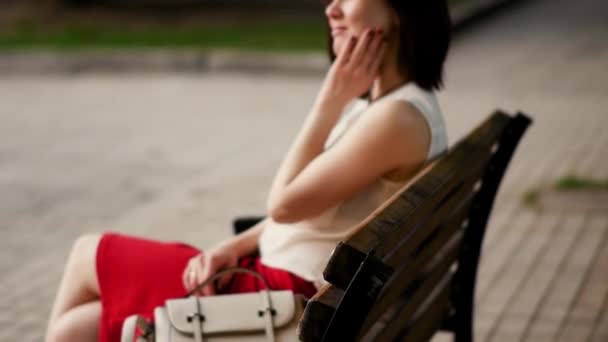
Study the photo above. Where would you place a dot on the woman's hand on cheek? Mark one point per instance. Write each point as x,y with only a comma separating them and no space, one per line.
356,66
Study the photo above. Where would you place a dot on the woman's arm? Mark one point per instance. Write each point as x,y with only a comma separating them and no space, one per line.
389,135
245,243
307,146
350,75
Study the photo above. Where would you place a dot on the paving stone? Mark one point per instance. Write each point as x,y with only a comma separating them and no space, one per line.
559,300
593,293
503,212
512,284
498,258
600,331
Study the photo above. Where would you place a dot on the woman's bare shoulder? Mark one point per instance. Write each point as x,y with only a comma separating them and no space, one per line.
405,126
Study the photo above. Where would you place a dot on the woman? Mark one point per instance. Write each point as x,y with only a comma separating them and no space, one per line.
388,59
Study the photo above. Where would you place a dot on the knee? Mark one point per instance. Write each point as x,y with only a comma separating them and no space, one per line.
82,259
61,331
85,244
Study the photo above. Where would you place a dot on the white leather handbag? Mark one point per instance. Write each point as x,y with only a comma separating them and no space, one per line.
264,316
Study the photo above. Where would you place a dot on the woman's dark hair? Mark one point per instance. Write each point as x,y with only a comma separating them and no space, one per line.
425,33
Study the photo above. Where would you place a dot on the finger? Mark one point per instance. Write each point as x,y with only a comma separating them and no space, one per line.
374,50
185,279
361,48
190,271
208,270
197,272
196,277
347,51
186,276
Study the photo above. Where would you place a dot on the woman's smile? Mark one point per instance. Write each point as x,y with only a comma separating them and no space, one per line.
337,30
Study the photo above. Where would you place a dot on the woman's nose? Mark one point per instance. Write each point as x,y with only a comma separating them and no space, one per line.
333,9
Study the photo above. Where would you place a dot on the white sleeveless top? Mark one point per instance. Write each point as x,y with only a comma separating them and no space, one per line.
304,247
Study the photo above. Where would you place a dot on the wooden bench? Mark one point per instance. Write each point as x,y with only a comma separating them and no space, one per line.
409,270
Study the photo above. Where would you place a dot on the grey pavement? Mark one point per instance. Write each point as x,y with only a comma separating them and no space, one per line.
177,156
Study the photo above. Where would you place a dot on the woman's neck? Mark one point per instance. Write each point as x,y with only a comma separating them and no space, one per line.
389,79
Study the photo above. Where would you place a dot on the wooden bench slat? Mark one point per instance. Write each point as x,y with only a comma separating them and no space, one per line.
424,327
330,296
387,297
343,263
409,301
404,321
405,277
405,209
464,192
407,247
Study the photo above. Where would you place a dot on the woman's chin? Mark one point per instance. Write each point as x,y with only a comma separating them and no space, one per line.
337,46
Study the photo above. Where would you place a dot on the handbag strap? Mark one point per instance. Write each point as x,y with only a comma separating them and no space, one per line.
267,309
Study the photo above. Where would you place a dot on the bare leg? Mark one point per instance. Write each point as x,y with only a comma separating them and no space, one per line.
80,323
76,310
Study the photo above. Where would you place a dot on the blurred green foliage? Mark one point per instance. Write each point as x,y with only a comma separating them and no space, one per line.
574,182
75,30
301,35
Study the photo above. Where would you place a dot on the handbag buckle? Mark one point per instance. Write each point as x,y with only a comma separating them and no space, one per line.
201,317
272,311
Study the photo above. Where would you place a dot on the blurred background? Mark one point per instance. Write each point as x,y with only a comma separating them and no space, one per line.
167,119
262,25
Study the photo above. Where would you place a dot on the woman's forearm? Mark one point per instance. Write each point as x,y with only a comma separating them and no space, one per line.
308,144
351,74
245,243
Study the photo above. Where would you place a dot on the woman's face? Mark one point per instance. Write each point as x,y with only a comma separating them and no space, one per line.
353,17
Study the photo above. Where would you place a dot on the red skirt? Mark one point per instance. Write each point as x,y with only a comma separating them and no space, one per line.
136,275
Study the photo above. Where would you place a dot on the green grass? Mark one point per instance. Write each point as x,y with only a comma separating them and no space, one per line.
272,36
531,197
573,182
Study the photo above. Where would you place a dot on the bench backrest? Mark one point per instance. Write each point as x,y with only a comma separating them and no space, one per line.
409,269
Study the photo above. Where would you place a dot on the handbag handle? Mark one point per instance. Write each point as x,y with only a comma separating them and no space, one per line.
228,271
268,310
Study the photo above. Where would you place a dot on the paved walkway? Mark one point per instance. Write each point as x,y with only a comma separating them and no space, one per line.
177,157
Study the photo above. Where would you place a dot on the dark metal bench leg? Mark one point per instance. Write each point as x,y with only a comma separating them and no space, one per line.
463,327
241,224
